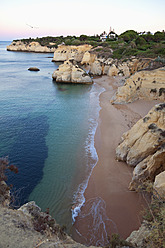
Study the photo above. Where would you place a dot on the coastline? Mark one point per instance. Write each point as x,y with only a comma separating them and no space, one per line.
110,207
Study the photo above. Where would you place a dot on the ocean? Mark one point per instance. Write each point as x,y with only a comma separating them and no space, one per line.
47,130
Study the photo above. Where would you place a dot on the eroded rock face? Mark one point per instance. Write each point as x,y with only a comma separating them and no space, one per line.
138,238
69,73
63,53
31,47
143,84
159,184
96,68
88,58
143,146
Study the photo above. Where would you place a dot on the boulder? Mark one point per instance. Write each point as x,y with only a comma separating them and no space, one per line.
159,184
142,85
113,71
96,68
33,69
69,73
88,58
143,146
124,69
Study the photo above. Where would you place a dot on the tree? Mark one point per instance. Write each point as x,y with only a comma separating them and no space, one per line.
158,36
128,35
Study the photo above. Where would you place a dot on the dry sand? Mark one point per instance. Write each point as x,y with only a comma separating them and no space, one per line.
110,207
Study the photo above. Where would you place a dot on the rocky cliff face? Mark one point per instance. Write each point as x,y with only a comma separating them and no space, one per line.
100,65
143,146
144,84
19,46
69,73
63,53
159,184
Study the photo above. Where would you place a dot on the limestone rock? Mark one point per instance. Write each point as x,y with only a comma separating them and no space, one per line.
148,168
124,69
88,58
142,85
106,69
159,184
63,73
96,68
143,146
113,71
138,238
68,73
63,53
31,47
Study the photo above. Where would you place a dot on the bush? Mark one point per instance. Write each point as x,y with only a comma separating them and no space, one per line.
140,41
129,35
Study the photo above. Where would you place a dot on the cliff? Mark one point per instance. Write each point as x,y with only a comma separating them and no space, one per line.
63,53
144,84
143,146
100,64
20,46
28,227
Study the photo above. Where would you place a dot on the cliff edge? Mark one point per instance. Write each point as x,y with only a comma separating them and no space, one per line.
28,227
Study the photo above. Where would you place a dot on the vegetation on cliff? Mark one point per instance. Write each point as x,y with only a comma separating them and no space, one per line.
129,43
154,216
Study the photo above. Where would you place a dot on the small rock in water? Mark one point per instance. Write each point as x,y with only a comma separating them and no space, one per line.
33,69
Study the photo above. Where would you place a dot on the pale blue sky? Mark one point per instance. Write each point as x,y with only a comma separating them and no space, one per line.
75,17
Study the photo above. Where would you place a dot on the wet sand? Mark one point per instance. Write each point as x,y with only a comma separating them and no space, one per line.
110,207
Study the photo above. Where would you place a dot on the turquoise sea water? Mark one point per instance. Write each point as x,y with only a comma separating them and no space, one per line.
47,130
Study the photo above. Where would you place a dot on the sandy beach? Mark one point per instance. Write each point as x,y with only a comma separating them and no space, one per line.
110,207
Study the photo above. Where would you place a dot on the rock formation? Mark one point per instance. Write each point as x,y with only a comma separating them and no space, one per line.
88,58
34,69
28,227
63,53
138,238
143,84
96,68
101,65
69,73
20,46
159,184
143,146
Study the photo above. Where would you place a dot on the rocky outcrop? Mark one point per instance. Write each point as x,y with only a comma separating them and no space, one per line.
159,184
96,68
142,85
28,227
138,238
69,73
88,58
20,46
143,146
114,67
63,53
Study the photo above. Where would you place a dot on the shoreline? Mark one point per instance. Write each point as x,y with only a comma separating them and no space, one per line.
109,206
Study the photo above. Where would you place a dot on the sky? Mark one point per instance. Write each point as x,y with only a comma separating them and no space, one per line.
76,17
